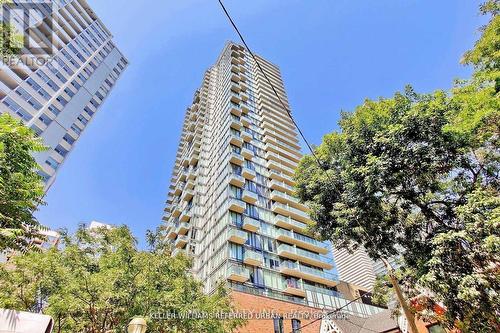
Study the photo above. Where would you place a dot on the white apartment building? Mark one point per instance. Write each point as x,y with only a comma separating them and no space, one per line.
59,98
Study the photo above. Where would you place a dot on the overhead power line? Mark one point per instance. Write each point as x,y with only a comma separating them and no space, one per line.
320,164
272,87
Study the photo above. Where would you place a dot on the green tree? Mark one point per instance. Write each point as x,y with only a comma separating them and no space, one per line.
11,41
21,188
419,172
100,280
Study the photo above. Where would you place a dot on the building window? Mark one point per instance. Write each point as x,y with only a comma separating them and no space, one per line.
295,325
236,219
62,100
61,151
77,129
55,111
68,139
52,162
278,325
236,251
45,119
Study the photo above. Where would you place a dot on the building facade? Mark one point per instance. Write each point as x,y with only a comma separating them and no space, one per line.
356,267
359,269
59,97
231,203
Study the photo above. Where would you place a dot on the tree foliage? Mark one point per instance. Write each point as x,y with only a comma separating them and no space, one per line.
420,172
21,188
99,280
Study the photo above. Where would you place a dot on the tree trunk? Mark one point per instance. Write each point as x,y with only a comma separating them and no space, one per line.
410,318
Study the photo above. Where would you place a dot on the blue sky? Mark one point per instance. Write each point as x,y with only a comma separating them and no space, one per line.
332,54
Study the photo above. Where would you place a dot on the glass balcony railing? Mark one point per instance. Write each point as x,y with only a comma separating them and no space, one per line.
281,220
237,236
286,196
286,208
285,248
279,184
238,273
251,224
252,258
319,273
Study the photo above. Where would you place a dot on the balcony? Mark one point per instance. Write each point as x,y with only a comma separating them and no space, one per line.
235,88
236,180
247,137
187,194
235,98
181,241
235,123
289,223
236,205
292,212
287,199
176,212
245,108
245,121
248,173
309,243
250,197
183,174
284,235
190,184
287,251
281,177
171,234
182,228
235,140
250,224
236,158
294,288
295,253
274,165
289,267
238,273
195,158
247,153
282,187
235,110
283,159
235,78
178,188
253,258
235,69
307,273
269,130
237,236
186,215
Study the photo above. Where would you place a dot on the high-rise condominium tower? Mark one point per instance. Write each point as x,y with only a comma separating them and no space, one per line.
231,204
59,97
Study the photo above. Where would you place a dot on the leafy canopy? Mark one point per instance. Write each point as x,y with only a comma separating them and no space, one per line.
100,280
419,172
